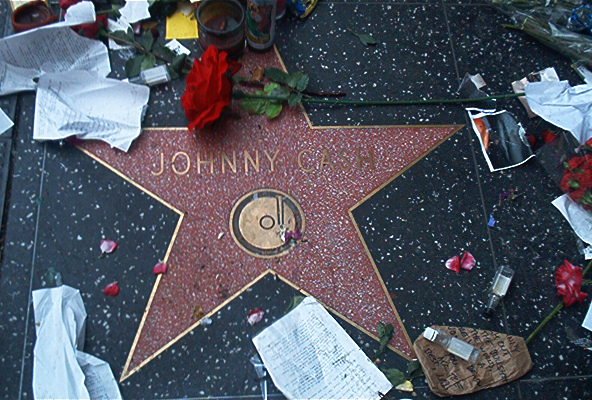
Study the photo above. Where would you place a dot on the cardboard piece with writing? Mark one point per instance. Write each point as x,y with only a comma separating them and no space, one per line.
503,358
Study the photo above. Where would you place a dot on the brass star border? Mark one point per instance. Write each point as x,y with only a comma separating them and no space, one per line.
126,373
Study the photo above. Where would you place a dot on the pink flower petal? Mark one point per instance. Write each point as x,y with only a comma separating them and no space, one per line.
108,246
160,268
255,316
453,263
112,289
468,261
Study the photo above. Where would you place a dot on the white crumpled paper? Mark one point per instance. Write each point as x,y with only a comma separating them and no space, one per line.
567,107
579,219
60,369
82,104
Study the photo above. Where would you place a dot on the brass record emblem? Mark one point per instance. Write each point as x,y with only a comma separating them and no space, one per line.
260,219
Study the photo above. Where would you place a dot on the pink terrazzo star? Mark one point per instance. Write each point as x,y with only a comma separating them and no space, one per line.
328,171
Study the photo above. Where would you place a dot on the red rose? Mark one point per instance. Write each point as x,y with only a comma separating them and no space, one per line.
568,280
549,136
91,30
588,143
585,178
565,182
208,89
575,162
577,195
65,4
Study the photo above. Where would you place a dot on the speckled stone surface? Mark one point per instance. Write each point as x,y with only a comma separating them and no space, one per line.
327,171
437,208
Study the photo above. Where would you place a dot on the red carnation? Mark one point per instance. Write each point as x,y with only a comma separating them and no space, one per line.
65,4
208,88
92,29
549,136
568,280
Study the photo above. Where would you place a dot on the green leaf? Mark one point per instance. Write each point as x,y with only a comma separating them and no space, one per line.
133,66
395,376
365,38
273,109
414,369
276,75
149,61
178,63
146,40
122,37
294,99
298,80
296,300
275,90
254,106
163,52
385,334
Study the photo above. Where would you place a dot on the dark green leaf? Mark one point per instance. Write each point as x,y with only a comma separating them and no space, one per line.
254,106
178,63
294,99
296,300
366,39
133,66
385,334
395,376
163,52
273,109
414,369
146,40
276,75
275,90
149,61
122,37
298,80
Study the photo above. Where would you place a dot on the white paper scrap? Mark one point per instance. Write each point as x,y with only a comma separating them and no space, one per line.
60,369
79,13
545,75
309,356
579,219
30,54
588,320
175,46
83,104
5,122
114,26
135,10
567,107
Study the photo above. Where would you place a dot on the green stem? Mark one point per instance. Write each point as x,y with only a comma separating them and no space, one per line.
133,43
544,322
307,100
553,313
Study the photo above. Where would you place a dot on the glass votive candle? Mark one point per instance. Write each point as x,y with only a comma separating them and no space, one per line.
221,23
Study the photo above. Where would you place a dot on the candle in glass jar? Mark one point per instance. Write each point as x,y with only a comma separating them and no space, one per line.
221,24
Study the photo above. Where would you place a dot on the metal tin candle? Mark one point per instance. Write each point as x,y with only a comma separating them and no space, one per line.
221,23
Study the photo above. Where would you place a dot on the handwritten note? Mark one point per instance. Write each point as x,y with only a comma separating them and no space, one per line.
309,356
503,359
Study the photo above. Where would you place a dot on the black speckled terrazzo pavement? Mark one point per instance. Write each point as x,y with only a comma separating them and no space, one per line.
60,203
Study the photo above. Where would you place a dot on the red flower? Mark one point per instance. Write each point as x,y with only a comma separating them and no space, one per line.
568,280
208,88
160,268
65,4
549,136
575,162
112,289
92,29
